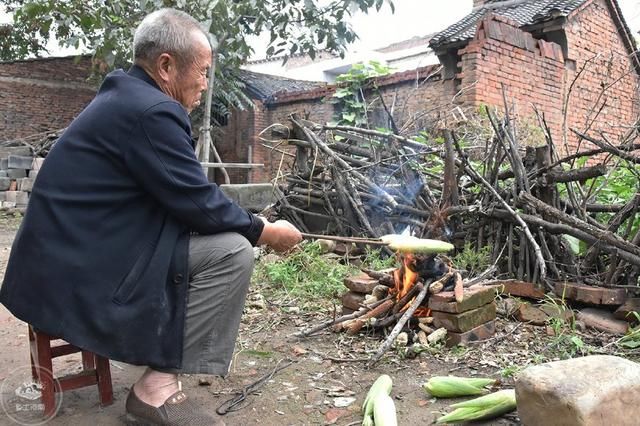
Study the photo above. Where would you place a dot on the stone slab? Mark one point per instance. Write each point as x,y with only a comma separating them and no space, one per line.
25,184
5,183
521,289
37,163
10,196
31,173
352,300
22,198
624,312
481,332
252,196
587,391
15,150
591,294
9,204
474,297
362,283
20,162
4,163
464,321
602,320
17,173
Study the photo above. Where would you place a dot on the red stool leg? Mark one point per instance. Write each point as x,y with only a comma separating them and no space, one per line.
32,340
88,360
103,372
44,370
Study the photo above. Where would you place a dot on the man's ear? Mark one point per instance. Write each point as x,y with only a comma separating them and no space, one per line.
166,66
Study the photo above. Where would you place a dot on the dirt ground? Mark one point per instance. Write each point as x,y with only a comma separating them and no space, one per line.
308,392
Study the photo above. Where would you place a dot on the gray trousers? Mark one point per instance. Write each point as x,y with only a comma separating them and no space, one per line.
220,268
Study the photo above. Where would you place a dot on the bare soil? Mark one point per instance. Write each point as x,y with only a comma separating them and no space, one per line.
305,393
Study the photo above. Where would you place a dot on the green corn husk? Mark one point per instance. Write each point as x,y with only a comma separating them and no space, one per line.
452,386
382,386
384,411
484,407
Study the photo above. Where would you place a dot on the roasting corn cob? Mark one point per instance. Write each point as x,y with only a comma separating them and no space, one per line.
410,244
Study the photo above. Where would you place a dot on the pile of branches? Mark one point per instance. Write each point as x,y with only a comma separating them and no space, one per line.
39,143
521,202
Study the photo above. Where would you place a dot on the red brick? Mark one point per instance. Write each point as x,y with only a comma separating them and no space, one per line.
602,320
474,297
362,283
352,300
521,289
464,321
590,294
481,332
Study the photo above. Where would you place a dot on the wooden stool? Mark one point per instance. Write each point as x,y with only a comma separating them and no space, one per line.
95,370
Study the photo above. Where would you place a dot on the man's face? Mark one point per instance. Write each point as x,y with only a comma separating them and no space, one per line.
190,80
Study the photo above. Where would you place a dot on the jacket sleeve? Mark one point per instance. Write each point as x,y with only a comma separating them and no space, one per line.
163,161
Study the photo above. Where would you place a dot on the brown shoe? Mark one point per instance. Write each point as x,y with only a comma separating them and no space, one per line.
178,410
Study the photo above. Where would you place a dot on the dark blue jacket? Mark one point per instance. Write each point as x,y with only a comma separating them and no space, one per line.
101,256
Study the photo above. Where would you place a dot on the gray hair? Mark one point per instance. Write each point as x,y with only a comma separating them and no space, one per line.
165,31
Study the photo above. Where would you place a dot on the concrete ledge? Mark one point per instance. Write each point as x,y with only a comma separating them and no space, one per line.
252,196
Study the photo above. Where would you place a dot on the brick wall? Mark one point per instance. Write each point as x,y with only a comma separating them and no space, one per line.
42,95
608,83
535,73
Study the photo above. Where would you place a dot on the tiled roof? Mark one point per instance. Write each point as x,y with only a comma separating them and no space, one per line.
265,86
524,12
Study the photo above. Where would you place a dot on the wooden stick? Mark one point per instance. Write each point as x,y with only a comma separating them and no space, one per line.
401,322
356,240
357,324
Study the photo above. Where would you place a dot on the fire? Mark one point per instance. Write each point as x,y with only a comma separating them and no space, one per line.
405,278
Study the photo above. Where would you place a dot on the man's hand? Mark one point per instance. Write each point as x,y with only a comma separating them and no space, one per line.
280,235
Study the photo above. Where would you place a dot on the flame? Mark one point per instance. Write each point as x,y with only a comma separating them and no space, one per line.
405,278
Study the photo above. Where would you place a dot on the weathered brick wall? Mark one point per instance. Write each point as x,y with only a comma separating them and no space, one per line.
232,142
42,95
605,96
535,73
531,72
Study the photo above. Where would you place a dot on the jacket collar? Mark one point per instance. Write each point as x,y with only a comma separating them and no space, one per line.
138,72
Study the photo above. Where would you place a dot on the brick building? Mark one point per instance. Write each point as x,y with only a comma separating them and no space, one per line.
42,95
567,58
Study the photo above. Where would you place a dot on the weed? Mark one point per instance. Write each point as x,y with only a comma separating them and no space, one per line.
472,260
510,371
631,340
377,260
305,274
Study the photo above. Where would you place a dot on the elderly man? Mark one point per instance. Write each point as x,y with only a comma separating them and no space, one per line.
126,249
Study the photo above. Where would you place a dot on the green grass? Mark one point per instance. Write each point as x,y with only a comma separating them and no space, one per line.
305,274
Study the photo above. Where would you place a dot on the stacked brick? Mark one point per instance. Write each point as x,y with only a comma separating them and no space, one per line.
18,170
470,320
359,287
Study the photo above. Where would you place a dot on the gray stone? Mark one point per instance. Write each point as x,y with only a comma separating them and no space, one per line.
32,173
5,183
2,196
10,196
17,173
20,162
4,163
8,204
22,198
25,184
587,391
252,196
3,173
15,150
37,163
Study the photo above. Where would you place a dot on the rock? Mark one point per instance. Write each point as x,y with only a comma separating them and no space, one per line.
473,297
37,163
25,184
590,294
10,196
602,320
4,163
361,283
343,401
521,289
507,306
5,183
465,321
380,291
22,198
624,312
436,336
402,339
326,246
481,332
31,174
557,311
587,391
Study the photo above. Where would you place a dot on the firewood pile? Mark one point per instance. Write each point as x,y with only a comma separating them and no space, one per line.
520,201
